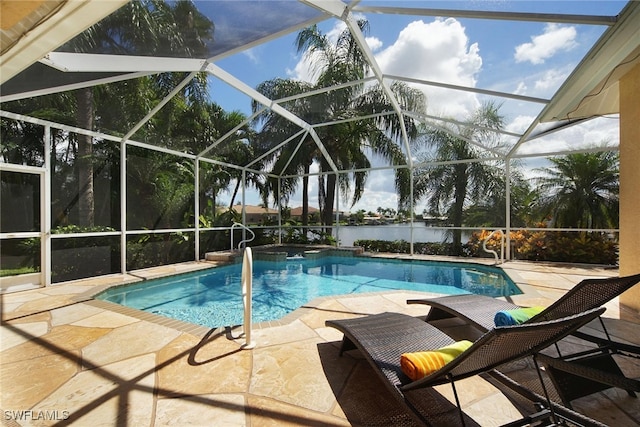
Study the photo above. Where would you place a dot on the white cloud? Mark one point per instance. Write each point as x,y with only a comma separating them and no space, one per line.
373,200
301,71
306,72
555,38
551,80
521,89
335,32
437,51
251,54
598,132
519,124
374,43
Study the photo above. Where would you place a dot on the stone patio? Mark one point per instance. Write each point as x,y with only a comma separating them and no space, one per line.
68,359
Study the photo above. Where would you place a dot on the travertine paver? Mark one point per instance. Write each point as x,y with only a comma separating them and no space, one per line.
73,313
362,305
128,341
188,365
43,316
211,409
60,290
22,297
102,396
266,412
293,374
496,404
102,318
470,390
13,334
28,381
107,368
9,307
60,339
45,303
330,308
281,335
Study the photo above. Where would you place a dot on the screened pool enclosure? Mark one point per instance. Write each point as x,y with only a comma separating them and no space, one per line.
131,130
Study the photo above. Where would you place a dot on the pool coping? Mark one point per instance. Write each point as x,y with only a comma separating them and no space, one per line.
202,331
139,276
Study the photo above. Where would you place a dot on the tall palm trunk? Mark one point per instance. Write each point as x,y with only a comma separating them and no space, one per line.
305,195
86,205
458,207
330,194
235,193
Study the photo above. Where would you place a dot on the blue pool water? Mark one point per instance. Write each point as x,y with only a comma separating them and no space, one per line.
213,297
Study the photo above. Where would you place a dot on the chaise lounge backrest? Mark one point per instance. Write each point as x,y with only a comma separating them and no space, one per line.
588,294
504,344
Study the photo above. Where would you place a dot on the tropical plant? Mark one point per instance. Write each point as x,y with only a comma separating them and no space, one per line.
238,148
347,138
454,182
581,190
403,246
160,190
544,245
491,211
138,28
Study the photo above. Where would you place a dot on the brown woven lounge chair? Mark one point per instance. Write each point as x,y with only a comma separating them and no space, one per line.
382,338
575,375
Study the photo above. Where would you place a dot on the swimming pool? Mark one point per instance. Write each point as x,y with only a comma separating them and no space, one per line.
213,298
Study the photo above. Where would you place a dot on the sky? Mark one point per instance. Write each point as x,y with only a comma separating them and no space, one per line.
525,58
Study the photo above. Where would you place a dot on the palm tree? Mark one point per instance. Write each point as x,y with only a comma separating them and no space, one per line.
491,211
348,141
452,186
582,189
138,28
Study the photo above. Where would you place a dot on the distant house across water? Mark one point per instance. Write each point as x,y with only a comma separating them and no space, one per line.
296,213
257,214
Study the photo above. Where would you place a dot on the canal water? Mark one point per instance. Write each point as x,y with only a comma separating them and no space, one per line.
421,233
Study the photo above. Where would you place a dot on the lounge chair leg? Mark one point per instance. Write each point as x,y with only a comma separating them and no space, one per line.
604,329
554,418
455,395
346,345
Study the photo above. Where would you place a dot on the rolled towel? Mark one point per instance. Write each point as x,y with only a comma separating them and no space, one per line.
422,363
516,316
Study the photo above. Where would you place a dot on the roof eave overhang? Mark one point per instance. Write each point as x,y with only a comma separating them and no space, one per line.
592,89
72,18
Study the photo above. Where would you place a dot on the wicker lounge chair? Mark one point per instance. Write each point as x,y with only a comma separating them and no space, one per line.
574,375
383,338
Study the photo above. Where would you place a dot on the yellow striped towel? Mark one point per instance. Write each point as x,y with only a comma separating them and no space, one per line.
422,363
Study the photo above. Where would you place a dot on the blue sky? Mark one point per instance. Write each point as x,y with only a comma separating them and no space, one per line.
525,58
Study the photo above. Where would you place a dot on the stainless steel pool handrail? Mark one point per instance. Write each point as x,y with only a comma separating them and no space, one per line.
253,235
247,295
491,251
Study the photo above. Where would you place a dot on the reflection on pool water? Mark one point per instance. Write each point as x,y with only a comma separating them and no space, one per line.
213,298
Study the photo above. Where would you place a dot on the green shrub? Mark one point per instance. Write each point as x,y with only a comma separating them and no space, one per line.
403,247
79,257
17,271
150,250
572,247
542,245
